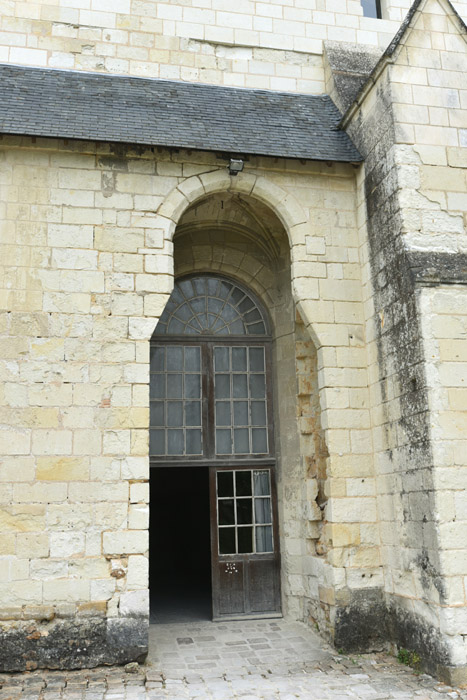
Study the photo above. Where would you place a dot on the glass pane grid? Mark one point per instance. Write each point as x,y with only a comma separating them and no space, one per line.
210,306
244,512
175,401
240,396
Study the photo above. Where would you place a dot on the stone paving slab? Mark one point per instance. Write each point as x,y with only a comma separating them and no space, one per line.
254,660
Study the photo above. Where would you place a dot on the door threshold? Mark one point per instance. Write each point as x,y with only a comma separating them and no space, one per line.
258,616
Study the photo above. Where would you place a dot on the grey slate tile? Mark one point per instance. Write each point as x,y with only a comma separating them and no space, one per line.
94,106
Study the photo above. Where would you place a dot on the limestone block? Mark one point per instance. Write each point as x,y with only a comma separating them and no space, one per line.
116,442
14,441
113,515
39,493
68,236
17,469
134,604
126,304
32,545
67,302
138,517
351,510
22,593
138,572
21,518
93,492
119,240
65,591
68,516
137,373
127,262
125,542
141,328
139,493
89,568
66,544
102,590
51,442
62,468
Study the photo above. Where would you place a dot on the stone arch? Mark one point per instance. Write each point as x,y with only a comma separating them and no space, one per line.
252,245
283,204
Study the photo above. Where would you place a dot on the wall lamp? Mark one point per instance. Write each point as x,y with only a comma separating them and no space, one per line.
235,166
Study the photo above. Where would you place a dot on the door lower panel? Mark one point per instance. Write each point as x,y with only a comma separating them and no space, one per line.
244,542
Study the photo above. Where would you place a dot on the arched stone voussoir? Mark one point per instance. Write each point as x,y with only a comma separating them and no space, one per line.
174,207
192,188
282,203
216,181
243,183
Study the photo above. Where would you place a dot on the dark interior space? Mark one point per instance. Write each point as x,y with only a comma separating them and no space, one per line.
180,547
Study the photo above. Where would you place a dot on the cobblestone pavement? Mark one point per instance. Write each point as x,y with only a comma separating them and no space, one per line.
254,660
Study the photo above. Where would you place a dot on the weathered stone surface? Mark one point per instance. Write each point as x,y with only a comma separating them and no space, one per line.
65,644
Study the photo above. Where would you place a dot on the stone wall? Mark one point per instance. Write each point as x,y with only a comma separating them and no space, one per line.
267,45
409,123
87,267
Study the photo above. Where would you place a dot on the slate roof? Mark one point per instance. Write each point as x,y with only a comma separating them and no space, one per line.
93,106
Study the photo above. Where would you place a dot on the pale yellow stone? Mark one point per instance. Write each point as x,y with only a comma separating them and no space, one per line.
62,469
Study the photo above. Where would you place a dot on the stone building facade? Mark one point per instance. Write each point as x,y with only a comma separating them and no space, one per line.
358,256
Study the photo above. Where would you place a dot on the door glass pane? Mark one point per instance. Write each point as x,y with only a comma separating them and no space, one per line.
226,512
236,511
261,482
223,442
227,540
225,484
264,539
262,510
175,359
244,511
243,482
245,540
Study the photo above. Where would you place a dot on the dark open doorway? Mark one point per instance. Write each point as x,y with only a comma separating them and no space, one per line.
180,547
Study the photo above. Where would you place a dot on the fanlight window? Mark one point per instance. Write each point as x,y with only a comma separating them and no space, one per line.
210,306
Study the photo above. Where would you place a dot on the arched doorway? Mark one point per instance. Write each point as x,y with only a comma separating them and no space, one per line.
212,414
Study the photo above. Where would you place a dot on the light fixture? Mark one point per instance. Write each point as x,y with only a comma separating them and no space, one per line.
235,166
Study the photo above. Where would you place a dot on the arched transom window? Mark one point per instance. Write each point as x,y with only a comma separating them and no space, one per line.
209,387
210,306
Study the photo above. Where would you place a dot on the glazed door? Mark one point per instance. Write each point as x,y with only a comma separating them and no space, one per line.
244,542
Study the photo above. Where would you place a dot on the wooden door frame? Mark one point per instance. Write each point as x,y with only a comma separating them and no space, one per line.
217,559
